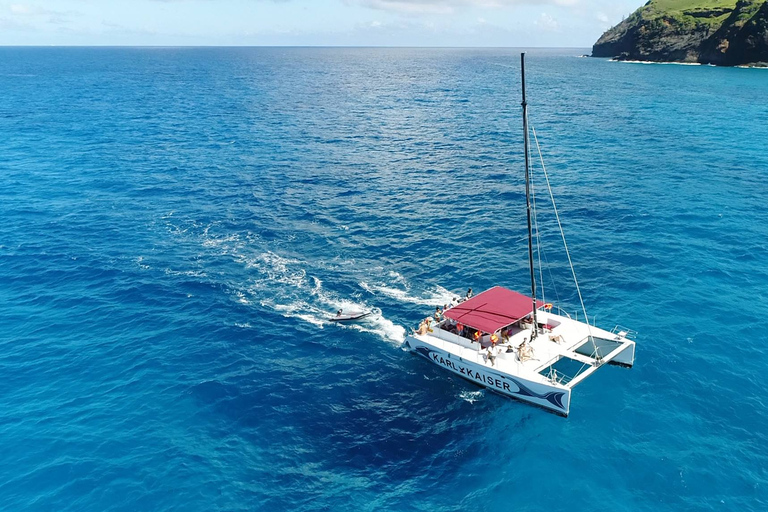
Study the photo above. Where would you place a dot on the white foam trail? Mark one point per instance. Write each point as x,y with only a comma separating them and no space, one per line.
382,327
188,273
284,285
279,269
241,298
216,242
438,296
471,396
312,320
304,298
298,309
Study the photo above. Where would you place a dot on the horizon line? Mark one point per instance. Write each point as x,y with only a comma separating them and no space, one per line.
281,46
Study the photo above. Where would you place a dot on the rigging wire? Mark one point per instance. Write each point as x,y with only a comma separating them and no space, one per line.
541,252
565,244
538,236
551,277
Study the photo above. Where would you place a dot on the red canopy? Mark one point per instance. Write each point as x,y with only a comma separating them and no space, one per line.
492,309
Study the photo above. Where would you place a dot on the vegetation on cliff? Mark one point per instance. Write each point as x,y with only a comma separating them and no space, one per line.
723,32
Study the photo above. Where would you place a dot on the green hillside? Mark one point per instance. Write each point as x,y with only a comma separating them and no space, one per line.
725,32
691,12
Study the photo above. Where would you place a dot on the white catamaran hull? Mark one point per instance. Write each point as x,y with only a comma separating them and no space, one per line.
553,398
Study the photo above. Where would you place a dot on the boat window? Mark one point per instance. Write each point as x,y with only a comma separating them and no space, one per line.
604,347
564,370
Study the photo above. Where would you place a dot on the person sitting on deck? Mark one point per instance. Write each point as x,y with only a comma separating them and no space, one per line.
476,336
524,351
338,313
505,334
469,294
438,314
494,339
424,326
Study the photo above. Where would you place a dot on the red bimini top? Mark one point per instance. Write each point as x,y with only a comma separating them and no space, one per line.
492,309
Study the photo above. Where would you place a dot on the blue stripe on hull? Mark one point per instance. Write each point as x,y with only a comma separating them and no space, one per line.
503,384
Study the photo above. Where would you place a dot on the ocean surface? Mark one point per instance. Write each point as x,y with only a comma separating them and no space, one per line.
177,224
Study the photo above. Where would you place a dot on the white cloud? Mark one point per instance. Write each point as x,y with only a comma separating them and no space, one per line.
40,13
448,6
20,9
409,6
547,22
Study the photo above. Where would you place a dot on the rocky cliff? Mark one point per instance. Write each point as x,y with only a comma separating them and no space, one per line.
722,32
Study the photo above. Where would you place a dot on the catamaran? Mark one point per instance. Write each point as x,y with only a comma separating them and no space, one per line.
515,344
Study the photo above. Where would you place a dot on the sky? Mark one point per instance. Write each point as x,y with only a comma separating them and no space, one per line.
516,23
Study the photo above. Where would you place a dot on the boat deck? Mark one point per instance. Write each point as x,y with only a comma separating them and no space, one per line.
559,337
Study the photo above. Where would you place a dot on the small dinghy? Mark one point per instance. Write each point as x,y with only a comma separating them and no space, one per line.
349,317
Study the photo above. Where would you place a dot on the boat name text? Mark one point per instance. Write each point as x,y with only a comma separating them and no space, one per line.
485,379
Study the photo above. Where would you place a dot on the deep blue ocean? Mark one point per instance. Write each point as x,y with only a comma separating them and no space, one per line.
176,225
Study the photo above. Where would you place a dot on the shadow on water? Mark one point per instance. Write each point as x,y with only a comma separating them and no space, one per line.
333,411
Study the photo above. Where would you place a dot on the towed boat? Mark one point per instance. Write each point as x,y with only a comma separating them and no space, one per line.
349,317
517,345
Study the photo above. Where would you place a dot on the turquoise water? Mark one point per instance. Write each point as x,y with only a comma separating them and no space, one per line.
177,223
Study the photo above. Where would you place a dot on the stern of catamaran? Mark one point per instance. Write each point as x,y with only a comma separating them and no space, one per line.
505,375
540,369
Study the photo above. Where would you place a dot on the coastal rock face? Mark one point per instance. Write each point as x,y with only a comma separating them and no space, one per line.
722,32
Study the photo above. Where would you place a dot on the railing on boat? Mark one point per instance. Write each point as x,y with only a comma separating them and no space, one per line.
440,333
558,377
559,311
623,332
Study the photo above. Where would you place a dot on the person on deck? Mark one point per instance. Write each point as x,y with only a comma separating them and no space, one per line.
425,326
524,351
469,294
491,354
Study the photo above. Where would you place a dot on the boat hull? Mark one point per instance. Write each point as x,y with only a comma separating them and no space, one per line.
349,318
551,398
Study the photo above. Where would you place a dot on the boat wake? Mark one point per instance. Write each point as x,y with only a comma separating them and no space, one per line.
471,396
294,288
436,296
285,286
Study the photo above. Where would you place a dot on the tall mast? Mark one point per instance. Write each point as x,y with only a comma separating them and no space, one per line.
528,199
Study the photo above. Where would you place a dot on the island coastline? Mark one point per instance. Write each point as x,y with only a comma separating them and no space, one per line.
730,33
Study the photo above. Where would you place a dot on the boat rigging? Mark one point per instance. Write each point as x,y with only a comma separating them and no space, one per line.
514,344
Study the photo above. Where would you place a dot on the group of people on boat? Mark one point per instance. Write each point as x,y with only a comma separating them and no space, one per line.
454,302
426,325
490,345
